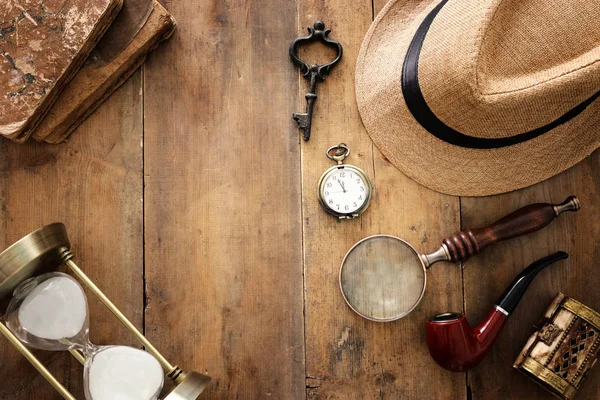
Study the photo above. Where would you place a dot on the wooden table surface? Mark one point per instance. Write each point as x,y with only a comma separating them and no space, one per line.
191,201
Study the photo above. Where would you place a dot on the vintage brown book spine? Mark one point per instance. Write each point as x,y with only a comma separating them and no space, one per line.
93,83
44,43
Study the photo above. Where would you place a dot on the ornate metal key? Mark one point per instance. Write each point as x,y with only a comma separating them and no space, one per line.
315,73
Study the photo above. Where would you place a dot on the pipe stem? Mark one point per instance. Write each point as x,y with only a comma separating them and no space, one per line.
514,293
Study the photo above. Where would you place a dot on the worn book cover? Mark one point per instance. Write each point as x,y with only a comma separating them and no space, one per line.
43,44
139,28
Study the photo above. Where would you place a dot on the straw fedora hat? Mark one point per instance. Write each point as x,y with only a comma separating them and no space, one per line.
478,97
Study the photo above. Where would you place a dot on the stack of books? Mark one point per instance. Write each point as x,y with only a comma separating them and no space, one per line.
60,59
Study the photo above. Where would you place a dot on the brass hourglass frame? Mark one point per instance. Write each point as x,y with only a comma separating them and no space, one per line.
46,249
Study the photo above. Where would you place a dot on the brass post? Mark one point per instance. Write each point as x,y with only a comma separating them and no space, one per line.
36,363
78,356
173,372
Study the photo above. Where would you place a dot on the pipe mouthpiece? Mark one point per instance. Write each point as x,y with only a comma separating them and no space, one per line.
512,296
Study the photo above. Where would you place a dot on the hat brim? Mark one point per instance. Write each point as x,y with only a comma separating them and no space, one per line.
432,162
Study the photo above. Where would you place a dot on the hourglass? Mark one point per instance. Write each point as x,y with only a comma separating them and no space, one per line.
48,310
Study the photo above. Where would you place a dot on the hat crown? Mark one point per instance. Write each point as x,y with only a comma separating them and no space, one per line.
496,69
416,87
527,43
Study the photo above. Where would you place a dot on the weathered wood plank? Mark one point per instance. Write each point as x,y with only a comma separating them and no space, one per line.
347,356
487,275
222,200
224,177
93,185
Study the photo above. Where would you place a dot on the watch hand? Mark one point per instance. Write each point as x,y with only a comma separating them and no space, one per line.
342,185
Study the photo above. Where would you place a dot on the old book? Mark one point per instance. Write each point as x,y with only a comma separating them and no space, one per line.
121,51
43,44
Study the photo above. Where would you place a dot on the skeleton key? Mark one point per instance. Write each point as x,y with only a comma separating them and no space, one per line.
315,73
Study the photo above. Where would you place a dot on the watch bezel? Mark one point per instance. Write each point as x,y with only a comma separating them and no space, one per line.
342,215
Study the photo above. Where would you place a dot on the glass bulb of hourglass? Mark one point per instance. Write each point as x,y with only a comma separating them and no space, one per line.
50,312
122,373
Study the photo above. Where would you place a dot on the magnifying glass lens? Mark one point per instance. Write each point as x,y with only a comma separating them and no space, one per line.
382,278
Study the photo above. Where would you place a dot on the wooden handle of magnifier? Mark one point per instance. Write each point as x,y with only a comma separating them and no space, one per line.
531,218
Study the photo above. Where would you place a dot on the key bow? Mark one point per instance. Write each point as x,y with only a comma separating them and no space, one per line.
313,72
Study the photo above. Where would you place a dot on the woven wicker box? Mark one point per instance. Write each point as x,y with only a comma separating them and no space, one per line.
560,355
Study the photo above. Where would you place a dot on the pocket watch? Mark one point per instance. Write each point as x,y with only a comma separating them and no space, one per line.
344,190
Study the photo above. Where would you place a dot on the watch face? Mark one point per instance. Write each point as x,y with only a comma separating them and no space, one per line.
344,190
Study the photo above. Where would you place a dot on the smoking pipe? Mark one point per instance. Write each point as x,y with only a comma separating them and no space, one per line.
457,347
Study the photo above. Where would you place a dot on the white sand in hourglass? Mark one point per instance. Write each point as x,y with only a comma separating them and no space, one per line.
54,310
124,373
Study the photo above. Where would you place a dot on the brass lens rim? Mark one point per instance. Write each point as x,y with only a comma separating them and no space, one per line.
401,315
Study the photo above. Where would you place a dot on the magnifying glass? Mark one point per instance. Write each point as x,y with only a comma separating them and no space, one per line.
383,278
